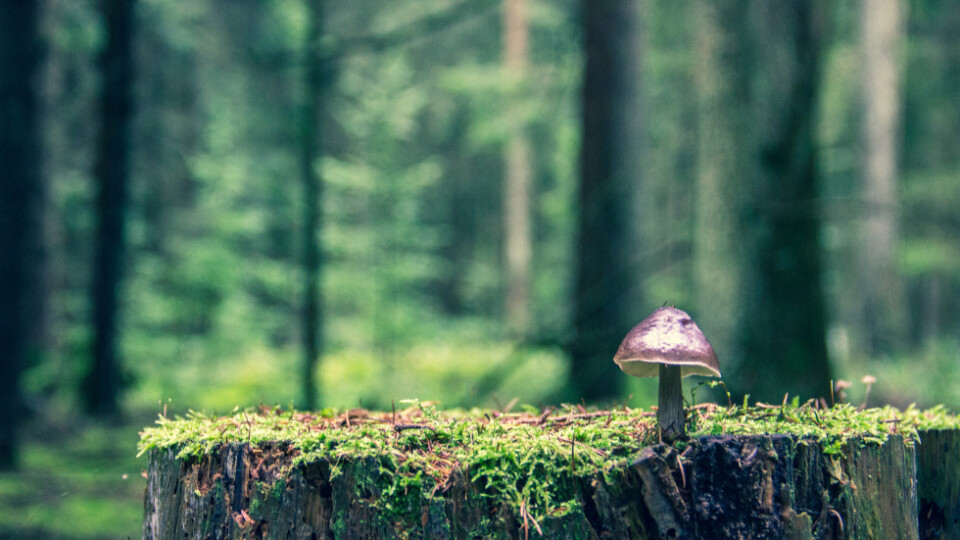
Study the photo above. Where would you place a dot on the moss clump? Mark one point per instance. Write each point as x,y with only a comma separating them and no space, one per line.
532,460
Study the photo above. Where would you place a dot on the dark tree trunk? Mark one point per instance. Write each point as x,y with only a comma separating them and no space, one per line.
310,153
607,287
103,381
784,326
20,205
931,155
459,213
938,483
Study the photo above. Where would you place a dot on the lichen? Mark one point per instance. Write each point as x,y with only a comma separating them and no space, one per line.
532,460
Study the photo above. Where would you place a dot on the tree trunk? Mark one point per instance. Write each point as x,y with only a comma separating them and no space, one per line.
310,154
606,290
931,159
938,483
518,175
773,486
882,305
783,329
103,382
724,172
20,205
459,213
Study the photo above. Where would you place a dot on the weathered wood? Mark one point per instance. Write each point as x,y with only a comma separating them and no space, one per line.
879,498
938,483
774,486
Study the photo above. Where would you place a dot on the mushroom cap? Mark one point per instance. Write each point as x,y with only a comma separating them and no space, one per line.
668,336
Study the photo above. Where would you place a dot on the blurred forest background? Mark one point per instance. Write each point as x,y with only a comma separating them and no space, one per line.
325,203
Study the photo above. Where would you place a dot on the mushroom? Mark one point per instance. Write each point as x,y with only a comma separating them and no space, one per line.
867,380
840,390
669,344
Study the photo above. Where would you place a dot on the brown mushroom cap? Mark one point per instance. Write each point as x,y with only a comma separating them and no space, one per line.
668,336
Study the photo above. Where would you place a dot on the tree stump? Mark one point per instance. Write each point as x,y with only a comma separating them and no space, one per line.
738,486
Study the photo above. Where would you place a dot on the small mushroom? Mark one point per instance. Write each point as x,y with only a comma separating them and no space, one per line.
840,389
669,344
867,380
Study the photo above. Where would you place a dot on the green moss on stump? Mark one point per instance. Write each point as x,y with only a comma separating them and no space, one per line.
566,473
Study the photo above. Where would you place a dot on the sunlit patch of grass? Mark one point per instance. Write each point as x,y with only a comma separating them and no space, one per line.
73,516
98,516
448,372
74,481
925,376
260,374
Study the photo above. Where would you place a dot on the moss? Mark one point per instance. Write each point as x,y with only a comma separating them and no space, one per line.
338,526
530,460
276,491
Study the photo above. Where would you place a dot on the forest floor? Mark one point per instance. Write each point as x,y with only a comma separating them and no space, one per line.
77,480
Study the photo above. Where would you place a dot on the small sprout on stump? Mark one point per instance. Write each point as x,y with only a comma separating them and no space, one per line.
670,345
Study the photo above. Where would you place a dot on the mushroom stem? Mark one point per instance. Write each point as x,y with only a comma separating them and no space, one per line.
670,403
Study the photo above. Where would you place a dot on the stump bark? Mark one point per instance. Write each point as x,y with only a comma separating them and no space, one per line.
938,482
774,486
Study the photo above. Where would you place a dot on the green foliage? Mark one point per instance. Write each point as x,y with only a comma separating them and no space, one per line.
905,379
381,252
930,249
834,426
412,226
444,372
213,307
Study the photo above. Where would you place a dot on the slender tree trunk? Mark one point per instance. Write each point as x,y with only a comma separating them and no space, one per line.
518,175
112,171
310,153
459,214
724,175
607,292
20,58
882,305
784,327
